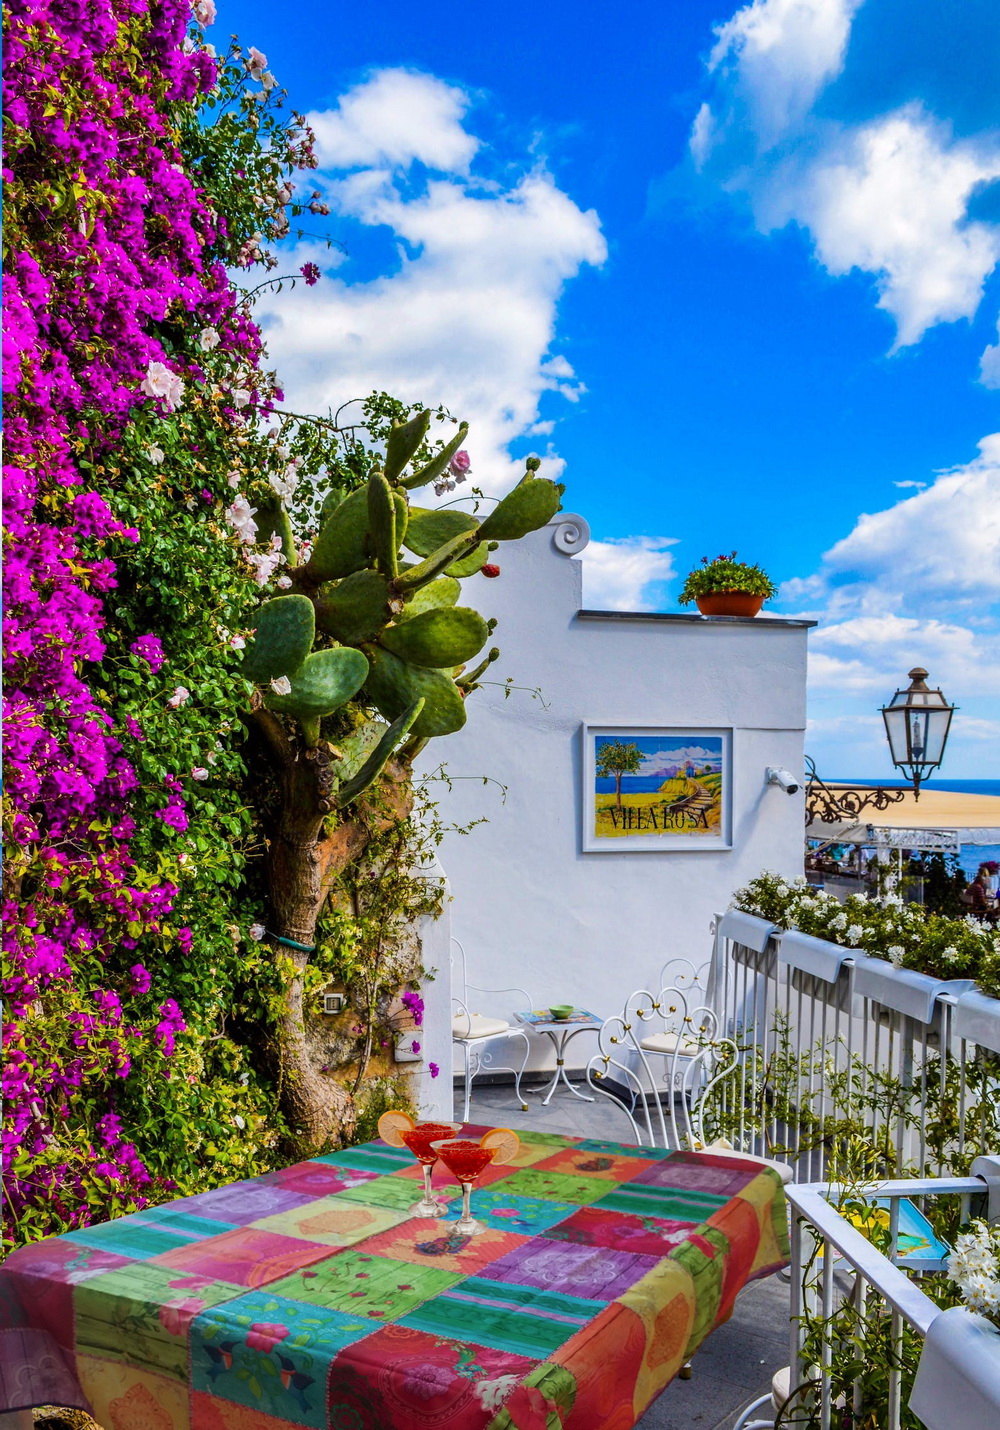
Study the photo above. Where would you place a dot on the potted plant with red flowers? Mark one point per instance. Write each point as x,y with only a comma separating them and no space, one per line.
727,587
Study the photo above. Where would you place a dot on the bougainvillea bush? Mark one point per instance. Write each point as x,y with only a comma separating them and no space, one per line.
133,394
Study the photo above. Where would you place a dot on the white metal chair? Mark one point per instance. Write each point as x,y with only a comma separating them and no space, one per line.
697,1079
478,1033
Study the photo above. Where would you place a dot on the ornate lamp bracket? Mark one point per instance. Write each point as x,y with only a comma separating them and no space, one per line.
830,806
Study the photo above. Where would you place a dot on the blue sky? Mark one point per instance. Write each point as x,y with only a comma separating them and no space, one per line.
732,270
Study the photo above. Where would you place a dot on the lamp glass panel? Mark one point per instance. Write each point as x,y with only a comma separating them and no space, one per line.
896,729
936,723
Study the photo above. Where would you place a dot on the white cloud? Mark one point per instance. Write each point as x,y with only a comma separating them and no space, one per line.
618,573
468,317
779,54
394,118
889,196
942,545
916,584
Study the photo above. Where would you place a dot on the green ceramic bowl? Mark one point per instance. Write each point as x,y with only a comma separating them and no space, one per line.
560,1011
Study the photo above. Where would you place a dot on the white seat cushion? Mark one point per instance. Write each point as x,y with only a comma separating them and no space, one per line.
721,1146
476,1025
667,1043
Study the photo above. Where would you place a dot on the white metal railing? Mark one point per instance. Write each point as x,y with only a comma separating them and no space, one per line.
835,1267
827,1035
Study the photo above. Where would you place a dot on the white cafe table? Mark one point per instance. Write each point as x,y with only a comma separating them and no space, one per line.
559,1031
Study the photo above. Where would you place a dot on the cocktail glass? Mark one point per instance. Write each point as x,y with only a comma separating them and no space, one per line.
419,1138
465,1159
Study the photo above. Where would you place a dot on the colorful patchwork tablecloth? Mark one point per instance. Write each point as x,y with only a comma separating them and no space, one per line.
310,1296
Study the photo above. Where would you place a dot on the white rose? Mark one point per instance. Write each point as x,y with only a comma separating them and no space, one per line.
155,455
208,339
240,396
281,685
256,63
257,932
283,583
237,643
180,697
204,12
198,772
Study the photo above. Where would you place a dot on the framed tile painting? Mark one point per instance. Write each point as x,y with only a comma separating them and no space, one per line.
655,788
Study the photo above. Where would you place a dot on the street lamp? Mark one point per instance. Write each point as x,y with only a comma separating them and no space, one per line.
916,723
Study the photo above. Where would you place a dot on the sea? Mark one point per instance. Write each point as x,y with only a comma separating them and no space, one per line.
971,855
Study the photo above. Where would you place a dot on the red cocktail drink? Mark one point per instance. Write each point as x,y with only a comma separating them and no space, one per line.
465,1160
418,1139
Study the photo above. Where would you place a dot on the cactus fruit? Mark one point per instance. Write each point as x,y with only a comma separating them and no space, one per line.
342,545
354,609
286,629
403,442
532,504
376,761
445,591
382,523
393,686
437,464
324,682
490,569
438,638
429,529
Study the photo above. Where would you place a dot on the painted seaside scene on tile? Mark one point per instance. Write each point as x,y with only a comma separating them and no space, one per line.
647,785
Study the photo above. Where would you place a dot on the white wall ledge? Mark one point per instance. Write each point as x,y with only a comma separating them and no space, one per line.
694,618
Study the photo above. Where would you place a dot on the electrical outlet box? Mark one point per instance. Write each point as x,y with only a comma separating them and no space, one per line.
333,1002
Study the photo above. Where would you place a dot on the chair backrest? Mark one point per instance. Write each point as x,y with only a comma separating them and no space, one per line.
696,1066
488,1000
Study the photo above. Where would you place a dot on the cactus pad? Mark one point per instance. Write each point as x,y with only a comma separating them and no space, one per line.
470,564
342,545
437,464
445,591
382,523
438,638
286,628
355,609
376,761
430,529
393,686
532,504
322,684
403,442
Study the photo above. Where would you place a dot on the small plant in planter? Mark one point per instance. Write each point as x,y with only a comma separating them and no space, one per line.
727,587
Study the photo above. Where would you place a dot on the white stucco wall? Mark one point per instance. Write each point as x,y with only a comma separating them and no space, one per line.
529,905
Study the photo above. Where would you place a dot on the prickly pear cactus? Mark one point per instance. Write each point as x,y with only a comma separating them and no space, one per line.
374,651
375,615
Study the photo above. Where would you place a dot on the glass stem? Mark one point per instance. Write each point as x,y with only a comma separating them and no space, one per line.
428,1169
466,1203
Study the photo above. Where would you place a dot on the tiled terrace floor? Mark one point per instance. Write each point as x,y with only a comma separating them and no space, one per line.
736,1362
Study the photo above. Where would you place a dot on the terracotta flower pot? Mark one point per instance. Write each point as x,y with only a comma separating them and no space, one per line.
729,603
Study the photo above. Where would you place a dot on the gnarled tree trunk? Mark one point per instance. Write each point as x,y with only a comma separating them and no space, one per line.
310,849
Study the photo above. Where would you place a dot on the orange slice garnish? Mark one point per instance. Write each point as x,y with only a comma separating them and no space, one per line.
391,1126
503,1143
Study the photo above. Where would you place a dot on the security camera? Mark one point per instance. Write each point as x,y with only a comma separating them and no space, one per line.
781,777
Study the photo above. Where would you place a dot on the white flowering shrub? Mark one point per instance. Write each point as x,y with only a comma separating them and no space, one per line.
906,935
974,1266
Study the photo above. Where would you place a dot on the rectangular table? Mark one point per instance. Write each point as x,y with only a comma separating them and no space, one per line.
309,1296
